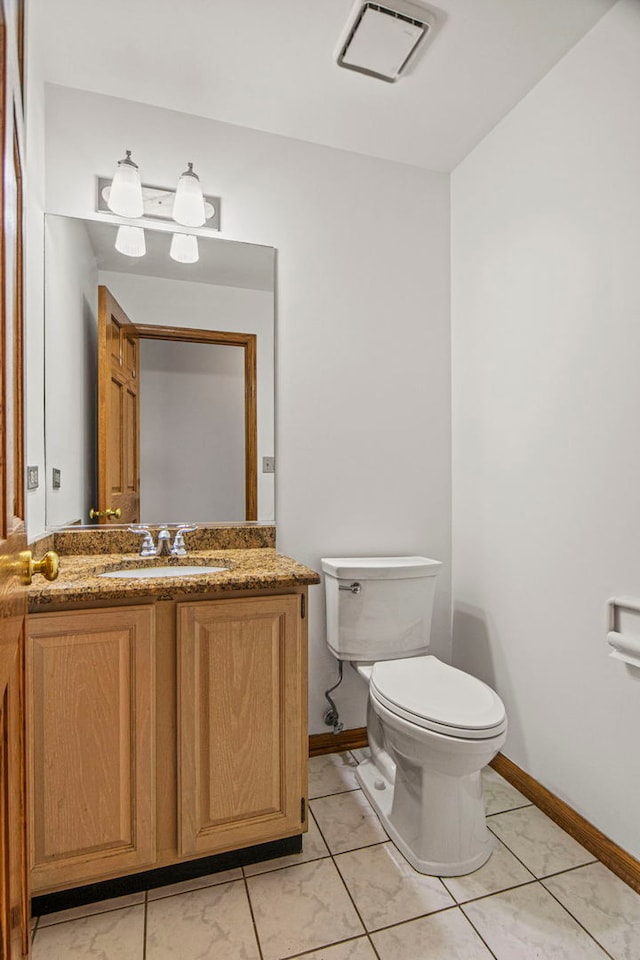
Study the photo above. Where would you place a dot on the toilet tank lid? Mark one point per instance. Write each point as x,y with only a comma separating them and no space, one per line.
380,568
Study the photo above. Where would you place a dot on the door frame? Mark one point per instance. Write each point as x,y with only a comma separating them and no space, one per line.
248,341
14,883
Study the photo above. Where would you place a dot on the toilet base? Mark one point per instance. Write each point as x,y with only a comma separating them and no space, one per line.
379,791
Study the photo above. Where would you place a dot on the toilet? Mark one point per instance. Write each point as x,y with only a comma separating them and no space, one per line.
431,727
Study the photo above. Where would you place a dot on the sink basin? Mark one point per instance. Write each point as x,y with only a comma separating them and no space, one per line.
148,573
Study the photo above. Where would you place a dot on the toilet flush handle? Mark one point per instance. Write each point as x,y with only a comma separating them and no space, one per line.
354,587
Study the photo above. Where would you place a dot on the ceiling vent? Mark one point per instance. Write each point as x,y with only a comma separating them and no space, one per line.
382,39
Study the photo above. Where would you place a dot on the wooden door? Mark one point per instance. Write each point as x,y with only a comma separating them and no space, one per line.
90,697
118,413
14,900
241,723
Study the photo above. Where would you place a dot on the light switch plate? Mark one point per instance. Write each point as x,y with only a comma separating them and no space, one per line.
32,478
268,464
55,480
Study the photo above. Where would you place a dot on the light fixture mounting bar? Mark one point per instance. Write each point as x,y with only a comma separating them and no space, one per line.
158,204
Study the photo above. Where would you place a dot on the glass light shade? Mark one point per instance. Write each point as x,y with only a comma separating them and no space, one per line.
184,248
188,204
125,197
130,241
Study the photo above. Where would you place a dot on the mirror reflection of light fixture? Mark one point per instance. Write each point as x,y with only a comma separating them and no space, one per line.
130,241
188,205
184,248
125,197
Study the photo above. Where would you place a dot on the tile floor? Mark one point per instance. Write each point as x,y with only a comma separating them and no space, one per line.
351,896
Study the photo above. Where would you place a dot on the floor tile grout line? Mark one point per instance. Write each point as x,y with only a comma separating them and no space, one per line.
514,887
577,866
521,806
284,866
145,925
496,893
425,916
372,945
337,943
342,880
205,886
375,844
420,916
546,875
477,932
84,916
334,793
368,932
253,918
579,922
364,926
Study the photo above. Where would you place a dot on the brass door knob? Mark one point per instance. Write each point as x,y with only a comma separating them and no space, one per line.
116,514
48,566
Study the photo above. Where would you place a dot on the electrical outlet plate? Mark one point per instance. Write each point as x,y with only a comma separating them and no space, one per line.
32,478
55,479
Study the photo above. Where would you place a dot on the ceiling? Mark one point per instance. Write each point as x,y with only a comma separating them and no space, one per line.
270,65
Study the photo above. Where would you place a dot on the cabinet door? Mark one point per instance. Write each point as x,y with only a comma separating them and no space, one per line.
91,712
242,736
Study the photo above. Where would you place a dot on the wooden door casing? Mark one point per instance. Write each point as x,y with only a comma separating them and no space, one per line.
14,880
118,411
248,342
91,709
241,721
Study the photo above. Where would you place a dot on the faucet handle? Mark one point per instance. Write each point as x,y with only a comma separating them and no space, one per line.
178,549
148,547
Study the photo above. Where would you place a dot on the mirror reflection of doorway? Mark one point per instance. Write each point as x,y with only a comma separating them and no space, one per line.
177,424
192,450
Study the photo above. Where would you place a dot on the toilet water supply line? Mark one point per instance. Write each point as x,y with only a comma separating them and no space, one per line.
331,716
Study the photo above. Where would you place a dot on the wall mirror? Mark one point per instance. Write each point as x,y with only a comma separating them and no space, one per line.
159,379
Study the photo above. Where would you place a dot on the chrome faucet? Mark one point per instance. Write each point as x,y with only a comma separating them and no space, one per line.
163,542
148,547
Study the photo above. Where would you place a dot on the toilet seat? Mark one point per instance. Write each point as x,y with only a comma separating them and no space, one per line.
438,697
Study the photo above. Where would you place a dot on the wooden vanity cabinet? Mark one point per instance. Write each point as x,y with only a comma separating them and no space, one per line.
165,732
91,700
240,713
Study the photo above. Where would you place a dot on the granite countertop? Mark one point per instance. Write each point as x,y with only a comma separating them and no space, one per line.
79,578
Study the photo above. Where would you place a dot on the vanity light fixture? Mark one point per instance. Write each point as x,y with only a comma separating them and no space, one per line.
188,205
158,202
125,196
130,241
184,248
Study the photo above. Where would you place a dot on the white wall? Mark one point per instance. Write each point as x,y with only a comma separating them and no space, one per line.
206,306
363,364
71,295
546,411
191,432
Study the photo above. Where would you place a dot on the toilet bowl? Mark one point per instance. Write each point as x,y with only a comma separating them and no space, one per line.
431,727
424,774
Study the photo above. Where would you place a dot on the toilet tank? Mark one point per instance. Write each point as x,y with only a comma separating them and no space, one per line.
379,608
